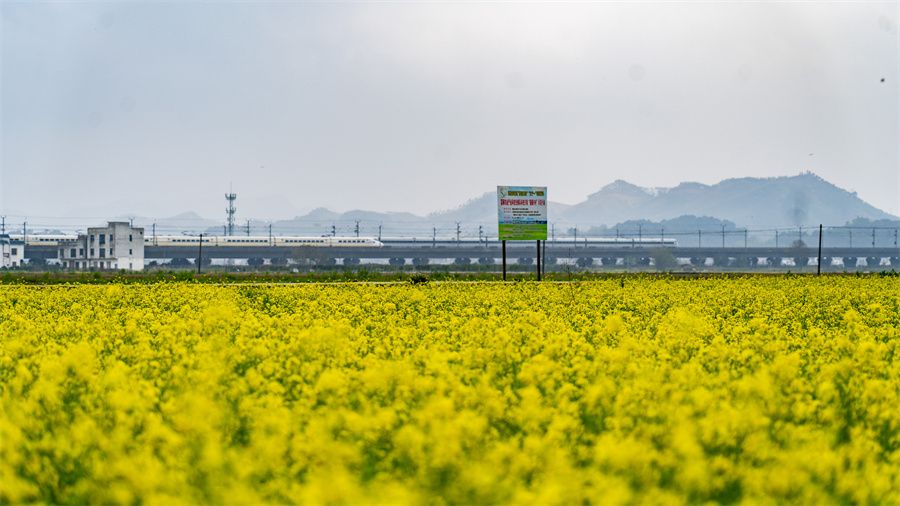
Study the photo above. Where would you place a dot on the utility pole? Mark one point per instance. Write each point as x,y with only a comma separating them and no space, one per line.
457,234
699,238
333,230
575,241
3,225
433,237
873,237
248,228
553,231
200,255
895,237
745,238
480,233
379,231
662,235
154,233
640,232
800,236
356,228
776,237
851,237
271,241
25,232
723,236
819,262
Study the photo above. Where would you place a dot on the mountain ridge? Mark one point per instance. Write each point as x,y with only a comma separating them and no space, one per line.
805,199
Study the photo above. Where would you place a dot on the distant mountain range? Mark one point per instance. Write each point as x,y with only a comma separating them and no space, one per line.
789,201
805,199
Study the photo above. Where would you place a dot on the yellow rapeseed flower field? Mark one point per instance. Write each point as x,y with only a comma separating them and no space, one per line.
633,390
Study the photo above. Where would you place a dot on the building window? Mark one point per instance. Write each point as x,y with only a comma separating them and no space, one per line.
72,253
102,252
14,251
102,238
80,251
92,251
130,252
129,237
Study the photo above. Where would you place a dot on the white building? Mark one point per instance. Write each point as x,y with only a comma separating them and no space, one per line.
116,246
12,252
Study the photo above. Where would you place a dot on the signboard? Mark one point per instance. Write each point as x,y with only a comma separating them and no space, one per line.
522,213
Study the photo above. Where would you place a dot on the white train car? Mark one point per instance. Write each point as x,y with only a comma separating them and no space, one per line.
617,241
44,239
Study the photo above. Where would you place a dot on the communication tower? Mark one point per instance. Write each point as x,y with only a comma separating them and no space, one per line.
230,210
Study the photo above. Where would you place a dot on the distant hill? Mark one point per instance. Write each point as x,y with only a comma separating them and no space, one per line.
187,221
805,199
483,210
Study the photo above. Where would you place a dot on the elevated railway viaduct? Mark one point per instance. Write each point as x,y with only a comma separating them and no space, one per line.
556,253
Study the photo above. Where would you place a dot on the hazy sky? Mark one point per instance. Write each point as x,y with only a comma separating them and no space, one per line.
153,108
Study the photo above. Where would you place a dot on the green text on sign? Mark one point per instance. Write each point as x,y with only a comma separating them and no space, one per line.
523,231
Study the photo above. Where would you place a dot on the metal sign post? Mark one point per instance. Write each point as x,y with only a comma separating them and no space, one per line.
544,257
504,259
539,260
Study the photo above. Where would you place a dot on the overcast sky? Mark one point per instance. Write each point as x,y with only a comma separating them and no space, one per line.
154,108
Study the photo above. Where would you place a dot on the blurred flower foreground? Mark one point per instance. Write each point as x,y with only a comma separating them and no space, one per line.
642,390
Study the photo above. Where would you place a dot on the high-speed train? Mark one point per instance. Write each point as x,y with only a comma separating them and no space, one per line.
264,241
354,242
234,240
667,242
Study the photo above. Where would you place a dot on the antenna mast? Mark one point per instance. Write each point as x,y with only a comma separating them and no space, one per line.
230,197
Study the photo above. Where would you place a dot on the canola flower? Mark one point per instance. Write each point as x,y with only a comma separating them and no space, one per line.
752,390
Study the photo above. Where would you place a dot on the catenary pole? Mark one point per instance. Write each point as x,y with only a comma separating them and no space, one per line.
544,256
819,263
538,259
200,255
